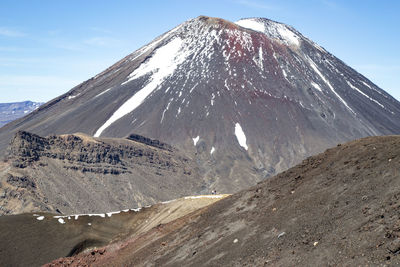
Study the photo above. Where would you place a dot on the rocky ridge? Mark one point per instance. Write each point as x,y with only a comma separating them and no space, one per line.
79,173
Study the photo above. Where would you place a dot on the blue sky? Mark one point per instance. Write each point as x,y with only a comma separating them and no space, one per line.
47,47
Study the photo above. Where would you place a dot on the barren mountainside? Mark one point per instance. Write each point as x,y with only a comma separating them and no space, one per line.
338,208
81,174
245,100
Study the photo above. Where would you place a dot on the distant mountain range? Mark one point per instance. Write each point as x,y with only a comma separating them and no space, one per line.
16,110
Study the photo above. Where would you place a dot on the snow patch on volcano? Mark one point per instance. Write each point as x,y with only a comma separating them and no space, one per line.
272,29
162,64
102,93
361,92
212,150
195,140
315,68
241,137
251,24
316,86
290,37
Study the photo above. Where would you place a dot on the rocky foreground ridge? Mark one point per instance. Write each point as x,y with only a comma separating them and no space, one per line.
337,208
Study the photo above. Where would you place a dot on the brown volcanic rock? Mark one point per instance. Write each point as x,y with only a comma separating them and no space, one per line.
291,97
338,208
81,174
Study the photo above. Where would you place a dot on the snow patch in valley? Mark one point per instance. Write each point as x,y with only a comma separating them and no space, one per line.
162,64
109,214
194,197
241,137
168,201
205,196
102,215
61,218
139,209
195,140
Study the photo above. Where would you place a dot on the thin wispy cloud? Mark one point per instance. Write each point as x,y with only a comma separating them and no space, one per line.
7,32
257,5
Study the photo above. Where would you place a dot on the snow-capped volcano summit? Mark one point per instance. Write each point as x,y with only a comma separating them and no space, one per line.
245,99
273,30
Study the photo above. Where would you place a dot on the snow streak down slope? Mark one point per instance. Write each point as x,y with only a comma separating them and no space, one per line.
162,64
290,97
